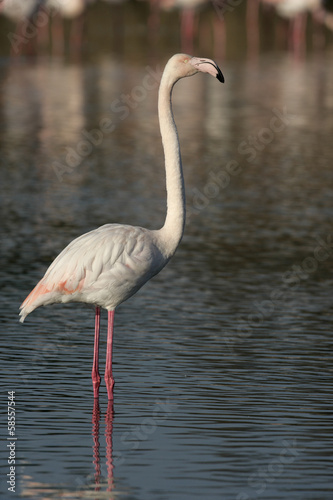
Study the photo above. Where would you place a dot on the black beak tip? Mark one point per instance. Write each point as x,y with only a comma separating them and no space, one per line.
220,76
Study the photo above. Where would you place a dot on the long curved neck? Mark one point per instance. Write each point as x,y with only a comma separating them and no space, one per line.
173,228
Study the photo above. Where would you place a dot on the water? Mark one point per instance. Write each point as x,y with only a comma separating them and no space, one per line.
223,362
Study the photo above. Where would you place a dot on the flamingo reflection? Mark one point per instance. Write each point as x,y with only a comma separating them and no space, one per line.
96,416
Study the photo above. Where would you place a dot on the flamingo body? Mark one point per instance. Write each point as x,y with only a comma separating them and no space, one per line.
291,8
103,267
67,8
17,10
108,265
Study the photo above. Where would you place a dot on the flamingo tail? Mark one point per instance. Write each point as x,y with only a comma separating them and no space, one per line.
33,300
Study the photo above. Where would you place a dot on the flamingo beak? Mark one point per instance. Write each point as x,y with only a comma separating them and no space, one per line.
207,66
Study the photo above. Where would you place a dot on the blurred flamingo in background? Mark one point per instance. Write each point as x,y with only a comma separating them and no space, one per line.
74,11
22,13
32,27
297,13
17,10
108,265
188,9
324,15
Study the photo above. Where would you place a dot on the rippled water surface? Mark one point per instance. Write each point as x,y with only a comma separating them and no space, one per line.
223,362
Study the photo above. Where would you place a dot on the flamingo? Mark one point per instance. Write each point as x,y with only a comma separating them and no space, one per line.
106,266
17,10
67,9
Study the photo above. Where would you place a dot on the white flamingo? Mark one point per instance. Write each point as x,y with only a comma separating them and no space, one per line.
73,10
291,8
23,13
106,266
18,10
67,8
296,11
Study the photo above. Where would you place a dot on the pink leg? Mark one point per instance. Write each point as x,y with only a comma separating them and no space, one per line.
108,366
95,373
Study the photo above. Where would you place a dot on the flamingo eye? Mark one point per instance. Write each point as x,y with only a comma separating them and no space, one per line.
185,60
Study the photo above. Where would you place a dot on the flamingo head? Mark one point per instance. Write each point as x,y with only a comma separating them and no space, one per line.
183,65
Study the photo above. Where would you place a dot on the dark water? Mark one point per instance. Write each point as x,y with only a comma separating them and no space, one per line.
223,362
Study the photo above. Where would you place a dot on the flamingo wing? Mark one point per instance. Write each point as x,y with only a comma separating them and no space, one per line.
102,267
